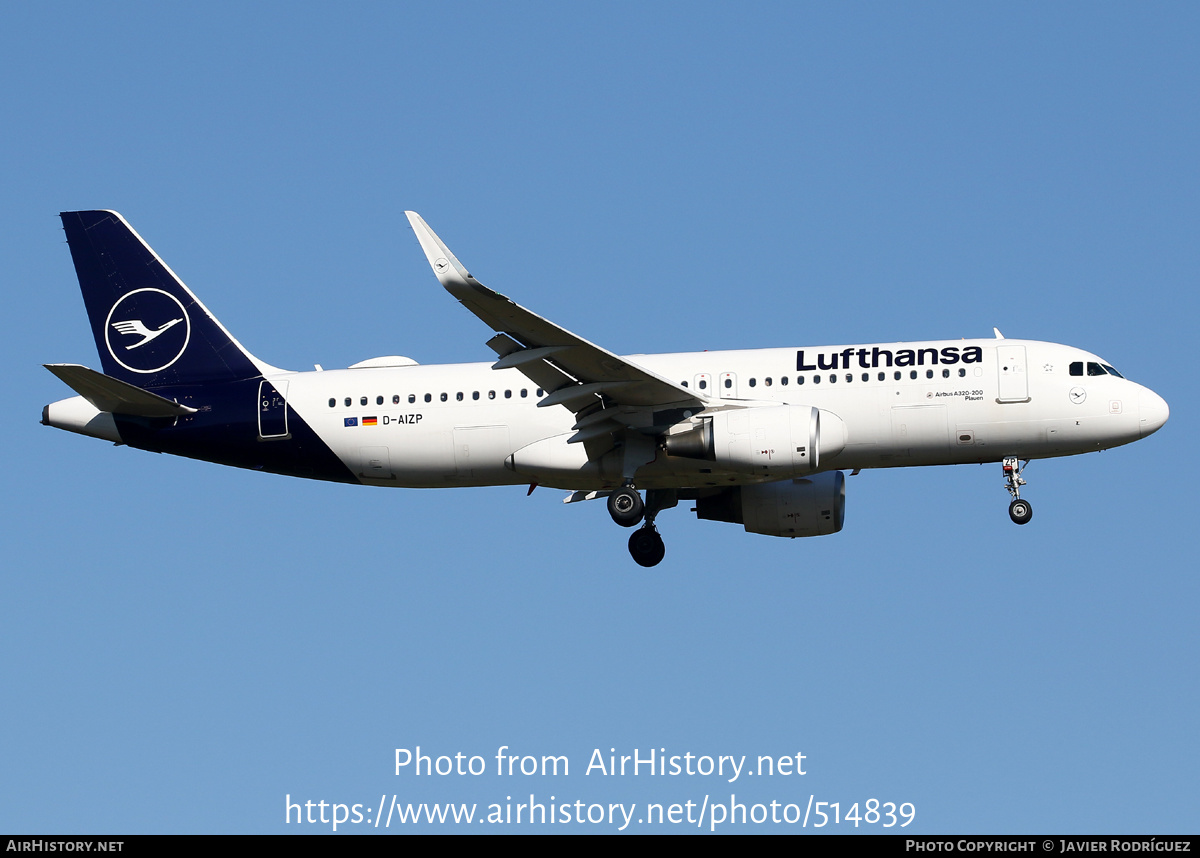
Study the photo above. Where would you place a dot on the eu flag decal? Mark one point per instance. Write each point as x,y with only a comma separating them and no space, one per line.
351,421
370,421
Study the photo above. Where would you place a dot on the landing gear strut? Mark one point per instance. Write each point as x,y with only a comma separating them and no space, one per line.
1020,511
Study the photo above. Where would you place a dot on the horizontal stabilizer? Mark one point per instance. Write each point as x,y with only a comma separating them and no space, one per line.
115,396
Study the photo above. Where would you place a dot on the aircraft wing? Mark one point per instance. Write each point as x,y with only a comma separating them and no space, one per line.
576,373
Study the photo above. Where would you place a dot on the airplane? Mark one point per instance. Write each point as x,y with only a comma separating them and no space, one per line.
760,437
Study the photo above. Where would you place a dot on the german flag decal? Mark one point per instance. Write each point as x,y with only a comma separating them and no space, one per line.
370,421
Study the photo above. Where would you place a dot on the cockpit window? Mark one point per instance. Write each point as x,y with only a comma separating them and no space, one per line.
1093,369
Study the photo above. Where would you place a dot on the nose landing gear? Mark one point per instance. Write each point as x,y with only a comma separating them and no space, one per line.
1020,511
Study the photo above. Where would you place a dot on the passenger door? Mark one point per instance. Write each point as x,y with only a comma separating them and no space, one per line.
1013,380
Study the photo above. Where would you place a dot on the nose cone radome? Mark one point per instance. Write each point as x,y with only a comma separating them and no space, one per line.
1153,412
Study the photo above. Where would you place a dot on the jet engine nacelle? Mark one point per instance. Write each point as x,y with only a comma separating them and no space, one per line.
813,506
766,440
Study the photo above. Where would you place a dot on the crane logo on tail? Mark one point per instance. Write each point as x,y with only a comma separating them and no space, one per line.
152,325
137,327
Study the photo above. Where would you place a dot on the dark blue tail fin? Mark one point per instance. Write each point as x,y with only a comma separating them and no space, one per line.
150,330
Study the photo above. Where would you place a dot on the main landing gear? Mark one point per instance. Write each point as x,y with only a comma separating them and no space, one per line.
646,546
627,509
1020,511
625,506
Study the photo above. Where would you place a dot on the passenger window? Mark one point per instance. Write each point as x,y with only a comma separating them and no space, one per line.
396,399
362,400
752,382
816,379
459,396
945,373
540,392
347,401
882,376
332,403
929,373
833,378
703,384
445,396
866,376
912,374
849,377
412,397
379,400
429,397
783,381
491,394
1077,367
508,394
799,379
962,373
728,383
767,381
683,384
474,394
524,392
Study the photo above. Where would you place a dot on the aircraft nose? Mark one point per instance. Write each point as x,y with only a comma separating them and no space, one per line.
1152,410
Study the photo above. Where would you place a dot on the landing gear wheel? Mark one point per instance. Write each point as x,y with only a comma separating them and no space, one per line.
646,546
626,507
1020,511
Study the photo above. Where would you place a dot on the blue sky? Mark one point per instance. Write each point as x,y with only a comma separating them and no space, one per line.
186,645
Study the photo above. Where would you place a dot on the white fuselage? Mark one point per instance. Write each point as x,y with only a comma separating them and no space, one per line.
456,425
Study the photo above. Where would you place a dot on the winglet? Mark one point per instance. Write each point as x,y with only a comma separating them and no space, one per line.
450,272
